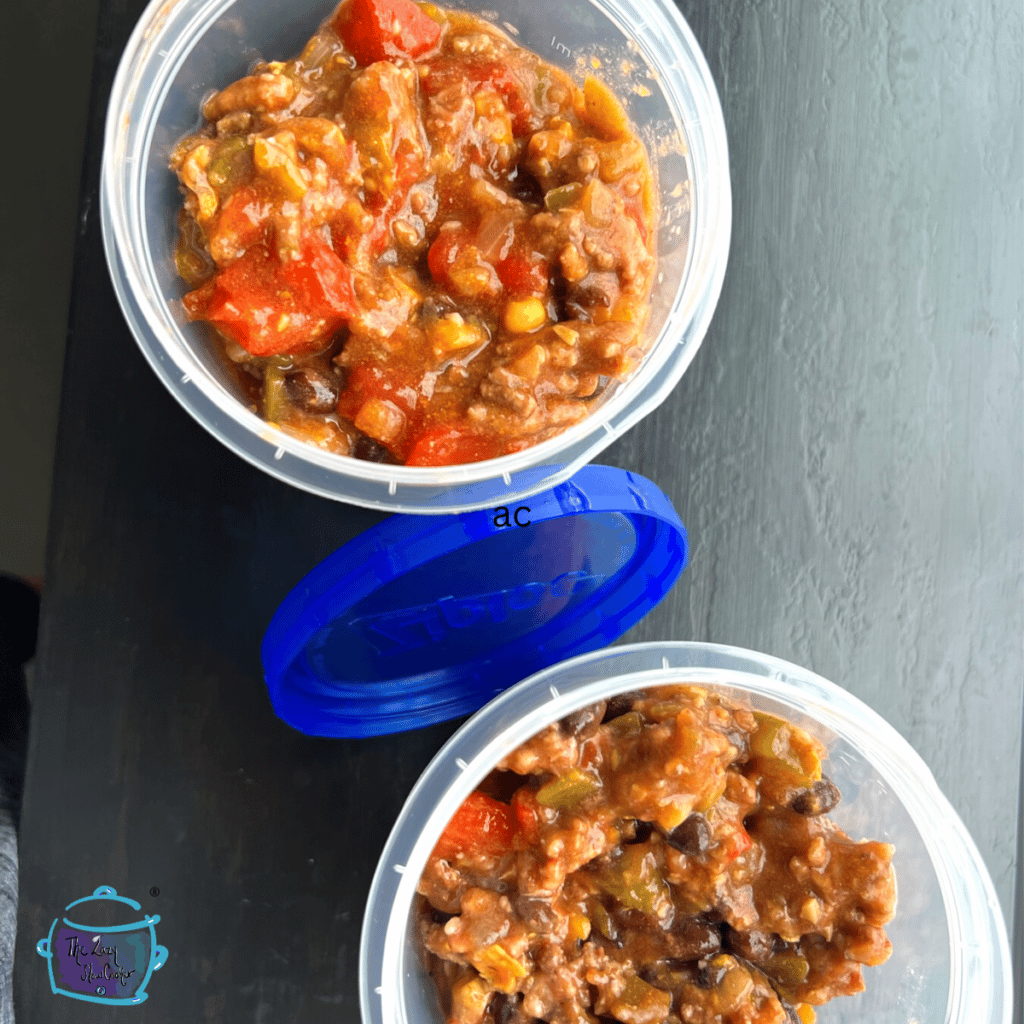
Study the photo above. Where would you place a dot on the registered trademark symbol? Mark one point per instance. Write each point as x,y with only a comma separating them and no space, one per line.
154,891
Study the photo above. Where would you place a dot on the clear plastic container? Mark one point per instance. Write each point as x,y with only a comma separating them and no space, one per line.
182,50
950,960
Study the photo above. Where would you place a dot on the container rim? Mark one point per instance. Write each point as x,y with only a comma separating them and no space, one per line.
980,985
161,41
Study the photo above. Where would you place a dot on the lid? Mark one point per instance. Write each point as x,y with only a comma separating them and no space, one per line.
106,913
422,619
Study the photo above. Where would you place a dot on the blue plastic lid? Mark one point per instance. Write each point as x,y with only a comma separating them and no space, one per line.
421,619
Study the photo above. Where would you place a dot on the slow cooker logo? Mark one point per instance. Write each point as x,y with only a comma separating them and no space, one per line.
102,963
402,629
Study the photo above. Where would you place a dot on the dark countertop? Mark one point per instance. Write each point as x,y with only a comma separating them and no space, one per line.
846,452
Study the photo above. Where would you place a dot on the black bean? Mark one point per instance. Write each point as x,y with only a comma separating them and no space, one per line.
711,974
313,390
436,306
641,832
819,798
582,719
537,913
522,185
504,1009
741,742
596,290
693,939
630,919
602,387
692,837
620,704
370,450
755,946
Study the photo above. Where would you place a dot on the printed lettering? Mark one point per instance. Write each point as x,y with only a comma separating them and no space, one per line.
74,949
497,606
503,519
110,971
409,628
526,596
573,582
459,614
405,628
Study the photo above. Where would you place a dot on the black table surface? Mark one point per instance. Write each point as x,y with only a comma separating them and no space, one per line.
846,452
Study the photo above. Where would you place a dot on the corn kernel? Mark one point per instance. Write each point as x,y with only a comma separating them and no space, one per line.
525,315
811,910
529,365
450,335
277,157
734,988
470,996
579,927
499,967
381,419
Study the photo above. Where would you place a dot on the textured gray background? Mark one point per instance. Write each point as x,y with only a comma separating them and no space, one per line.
849,437
846,450
37,223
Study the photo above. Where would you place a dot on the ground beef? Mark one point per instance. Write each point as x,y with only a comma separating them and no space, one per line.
660,859
464,231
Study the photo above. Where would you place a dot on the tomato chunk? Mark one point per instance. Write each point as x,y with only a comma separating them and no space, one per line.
524,275
243,221
444,74
528,813
738,842
444,251
450,446
379,29
272,307
480,825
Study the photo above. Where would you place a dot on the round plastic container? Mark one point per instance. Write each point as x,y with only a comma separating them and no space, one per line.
182,50
950,960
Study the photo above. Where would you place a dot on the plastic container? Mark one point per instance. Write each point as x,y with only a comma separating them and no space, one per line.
950,960
180,51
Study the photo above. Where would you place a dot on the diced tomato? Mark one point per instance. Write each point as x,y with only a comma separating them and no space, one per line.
527,813
387,383
515,97
322,278
739,842
242,220
521,272
443,74
524,275
444,250
450,446
480,825
384,210
635,209
272,307
380,29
